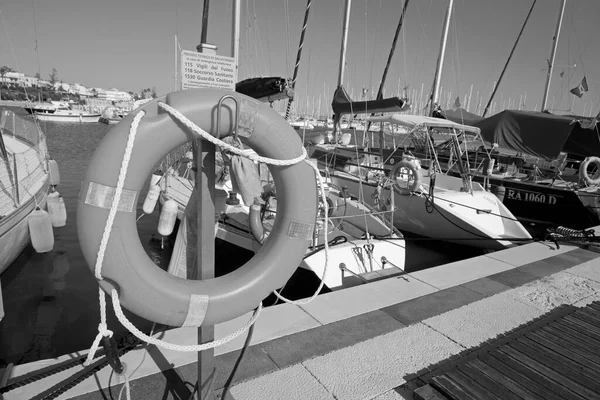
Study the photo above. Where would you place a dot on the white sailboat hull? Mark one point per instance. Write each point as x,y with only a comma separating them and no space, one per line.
73,118
477,219
349,262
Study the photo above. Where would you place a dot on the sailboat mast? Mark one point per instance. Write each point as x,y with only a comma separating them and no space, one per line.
346,22
344,42
390,56
487,106
389,61
438,71
300,46
553,54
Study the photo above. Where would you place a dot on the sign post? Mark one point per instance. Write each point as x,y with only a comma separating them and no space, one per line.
204,164
206,69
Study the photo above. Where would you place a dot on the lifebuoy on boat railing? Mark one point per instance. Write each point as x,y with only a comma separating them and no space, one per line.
410,169
144,288
583,174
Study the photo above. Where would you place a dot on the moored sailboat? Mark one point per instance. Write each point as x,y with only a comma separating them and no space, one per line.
464,212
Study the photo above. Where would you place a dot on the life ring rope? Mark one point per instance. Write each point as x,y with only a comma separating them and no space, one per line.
217,142
103,330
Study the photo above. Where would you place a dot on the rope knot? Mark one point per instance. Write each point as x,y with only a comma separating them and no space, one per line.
103,330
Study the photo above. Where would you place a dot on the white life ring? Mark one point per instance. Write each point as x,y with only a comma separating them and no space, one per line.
583,174
147,290
412,169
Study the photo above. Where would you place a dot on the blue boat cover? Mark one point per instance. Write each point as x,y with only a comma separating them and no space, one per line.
542,134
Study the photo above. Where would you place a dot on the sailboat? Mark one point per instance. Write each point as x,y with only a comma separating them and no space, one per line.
24,182
435,204
538,158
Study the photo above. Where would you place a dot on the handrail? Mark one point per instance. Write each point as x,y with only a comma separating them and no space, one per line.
344,268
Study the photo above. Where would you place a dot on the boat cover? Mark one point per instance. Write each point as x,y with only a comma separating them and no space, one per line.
542,134
342,104
461,116
261,87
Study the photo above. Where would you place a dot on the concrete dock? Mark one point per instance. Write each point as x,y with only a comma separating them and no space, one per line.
366,342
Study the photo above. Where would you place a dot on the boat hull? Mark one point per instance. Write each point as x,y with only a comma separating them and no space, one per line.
476,219
347,249
539,204
110,121
14,229
74,118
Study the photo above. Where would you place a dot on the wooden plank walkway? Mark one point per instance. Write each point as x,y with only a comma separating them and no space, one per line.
556,356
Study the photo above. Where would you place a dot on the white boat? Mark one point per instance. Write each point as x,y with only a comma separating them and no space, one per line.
363,246
112,115
62,112
438,205
444,207
24,180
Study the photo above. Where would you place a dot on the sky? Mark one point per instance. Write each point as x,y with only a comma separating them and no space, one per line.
130,45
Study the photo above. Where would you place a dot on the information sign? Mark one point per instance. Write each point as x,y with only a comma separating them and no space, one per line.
199,70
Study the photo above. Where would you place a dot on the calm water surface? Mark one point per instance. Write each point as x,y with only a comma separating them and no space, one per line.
51,300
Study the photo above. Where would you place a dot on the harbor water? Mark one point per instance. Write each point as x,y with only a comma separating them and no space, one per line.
51,300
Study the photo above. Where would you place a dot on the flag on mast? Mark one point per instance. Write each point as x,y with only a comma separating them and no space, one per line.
580,89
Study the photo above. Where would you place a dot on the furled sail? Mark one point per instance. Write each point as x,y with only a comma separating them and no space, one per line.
342,104
265,89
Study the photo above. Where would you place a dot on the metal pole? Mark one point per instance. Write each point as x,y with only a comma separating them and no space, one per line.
204,164
487,106
553,54
300,46
176,77
440,62
204,31
235,34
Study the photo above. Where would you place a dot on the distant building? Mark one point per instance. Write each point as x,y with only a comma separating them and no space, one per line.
80,90
63,87
19,79
113,95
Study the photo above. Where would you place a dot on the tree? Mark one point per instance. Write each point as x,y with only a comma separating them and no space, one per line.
3,71
38,76
53,77
154,92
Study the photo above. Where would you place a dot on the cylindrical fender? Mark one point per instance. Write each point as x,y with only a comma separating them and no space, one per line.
583,174
144,288
54,172
405,164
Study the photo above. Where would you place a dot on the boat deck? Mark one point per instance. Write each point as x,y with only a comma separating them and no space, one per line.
373,341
